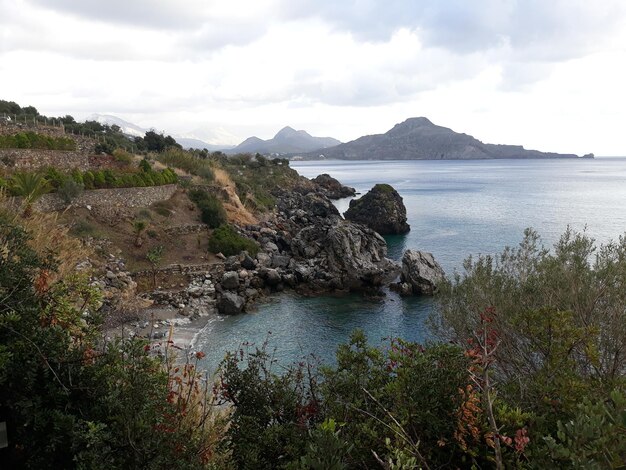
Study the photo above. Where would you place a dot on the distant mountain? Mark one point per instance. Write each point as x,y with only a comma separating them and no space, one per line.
213,135
420,139
287,141
189,143
127,127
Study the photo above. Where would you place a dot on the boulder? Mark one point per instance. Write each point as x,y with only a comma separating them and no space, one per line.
381,209
230,304
230,280
247,262
421,272
280,261
352,255
333,188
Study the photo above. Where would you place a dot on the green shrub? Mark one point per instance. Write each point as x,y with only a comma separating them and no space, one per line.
227,241
82,228
70,190
122,156
89,180
99,180
188,162
212,209
28,140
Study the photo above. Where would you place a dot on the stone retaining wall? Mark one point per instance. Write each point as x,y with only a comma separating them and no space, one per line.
214,269
32,159
111,198
186,229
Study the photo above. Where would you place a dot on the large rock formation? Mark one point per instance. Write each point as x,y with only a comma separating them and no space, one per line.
344,255
334,189
420,273
309,246
381,209
420,139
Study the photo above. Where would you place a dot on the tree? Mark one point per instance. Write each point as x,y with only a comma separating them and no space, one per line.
30,186
138,228
154,256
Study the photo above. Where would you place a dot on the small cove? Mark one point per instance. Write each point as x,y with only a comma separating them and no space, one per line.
455,208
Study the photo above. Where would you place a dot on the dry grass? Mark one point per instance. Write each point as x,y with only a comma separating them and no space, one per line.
47,236
237,213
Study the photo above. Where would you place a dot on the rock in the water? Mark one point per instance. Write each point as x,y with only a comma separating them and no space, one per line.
230,280
230,304
334,189
421,272
350,254
381,209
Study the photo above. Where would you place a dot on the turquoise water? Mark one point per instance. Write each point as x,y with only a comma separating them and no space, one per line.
455,208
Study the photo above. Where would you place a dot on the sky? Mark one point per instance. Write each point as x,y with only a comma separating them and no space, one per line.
549,75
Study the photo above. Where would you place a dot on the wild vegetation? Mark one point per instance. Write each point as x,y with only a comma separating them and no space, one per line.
227,241
211,208
531,374
256,177
32,140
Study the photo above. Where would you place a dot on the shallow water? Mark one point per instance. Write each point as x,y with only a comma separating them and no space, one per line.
455,208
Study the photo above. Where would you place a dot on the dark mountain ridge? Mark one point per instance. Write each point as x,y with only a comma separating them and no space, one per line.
420,139
286,141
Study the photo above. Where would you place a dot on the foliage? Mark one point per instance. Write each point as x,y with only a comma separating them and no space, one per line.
154,256
70,190
72,401
154,142
595,438
32,140
138,227
557,319
327,448
256,179
187,161
30,186
227,241
211,208
271,412
398,405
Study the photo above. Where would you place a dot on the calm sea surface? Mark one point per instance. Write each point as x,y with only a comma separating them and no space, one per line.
455,208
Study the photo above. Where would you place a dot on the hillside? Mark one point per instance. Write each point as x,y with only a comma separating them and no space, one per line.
286,141
420,139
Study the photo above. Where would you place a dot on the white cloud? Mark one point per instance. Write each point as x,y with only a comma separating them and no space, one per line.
515,71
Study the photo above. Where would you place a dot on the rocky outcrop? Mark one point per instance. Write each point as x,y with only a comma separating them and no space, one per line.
310,247
334,189
381,209
420,274
343,256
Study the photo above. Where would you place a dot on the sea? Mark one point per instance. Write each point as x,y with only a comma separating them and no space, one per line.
455,209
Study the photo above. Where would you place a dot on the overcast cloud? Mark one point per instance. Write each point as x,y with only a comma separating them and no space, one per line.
545,74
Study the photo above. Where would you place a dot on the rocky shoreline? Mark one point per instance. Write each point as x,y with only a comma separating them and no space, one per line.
305,246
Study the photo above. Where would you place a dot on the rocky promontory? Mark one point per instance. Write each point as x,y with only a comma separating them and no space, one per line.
334,189
381,209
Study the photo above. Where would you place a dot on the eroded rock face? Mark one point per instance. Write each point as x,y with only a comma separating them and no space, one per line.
334,189
421,272
345,255
381,209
